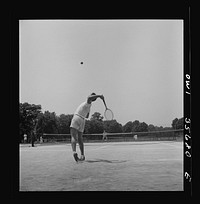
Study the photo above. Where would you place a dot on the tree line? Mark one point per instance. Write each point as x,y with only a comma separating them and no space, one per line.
32,117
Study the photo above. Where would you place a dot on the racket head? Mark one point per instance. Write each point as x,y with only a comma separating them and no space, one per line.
108,114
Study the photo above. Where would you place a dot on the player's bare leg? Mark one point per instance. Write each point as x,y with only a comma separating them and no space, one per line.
74,136
81,145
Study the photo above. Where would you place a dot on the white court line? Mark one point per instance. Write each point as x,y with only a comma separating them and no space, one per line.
157,160
98,148
55,150
171,145
44,150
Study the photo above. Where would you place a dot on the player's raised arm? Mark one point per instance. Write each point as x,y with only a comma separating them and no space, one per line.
93,97
87,116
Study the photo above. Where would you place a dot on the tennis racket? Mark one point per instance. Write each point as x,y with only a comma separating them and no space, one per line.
108,114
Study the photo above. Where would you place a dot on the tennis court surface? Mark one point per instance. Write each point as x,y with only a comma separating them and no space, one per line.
109,166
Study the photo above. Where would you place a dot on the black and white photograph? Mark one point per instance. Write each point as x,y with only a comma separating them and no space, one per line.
101,105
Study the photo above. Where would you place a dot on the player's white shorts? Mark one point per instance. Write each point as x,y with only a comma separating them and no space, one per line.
78,123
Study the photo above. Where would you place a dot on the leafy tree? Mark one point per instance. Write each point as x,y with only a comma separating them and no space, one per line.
159,128
167,128
135,126
128,127
174,122
151,127
50,122
97,116
106,125
27,114
93,126
114,127
41,124
63,123
87,127
143,127
178,123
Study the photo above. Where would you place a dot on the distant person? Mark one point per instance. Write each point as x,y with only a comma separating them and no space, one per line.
41,139
78,124
135,137
104,136
25,138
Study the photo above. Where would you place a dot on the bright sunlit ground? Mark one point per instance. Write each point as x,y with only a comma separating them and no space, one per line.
114,166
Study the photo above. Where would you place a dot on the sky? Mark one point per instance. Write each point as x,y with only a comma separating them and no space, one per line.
136,64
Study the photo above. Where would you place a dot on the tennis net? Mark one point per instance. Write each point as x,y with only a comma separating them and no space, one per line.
119,137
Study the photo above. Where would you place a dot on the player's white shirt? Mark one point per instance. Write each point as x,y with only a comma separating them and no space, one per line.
83,109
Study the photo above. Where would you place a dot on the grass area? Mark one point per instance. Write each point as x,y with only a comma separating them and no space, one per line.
113,166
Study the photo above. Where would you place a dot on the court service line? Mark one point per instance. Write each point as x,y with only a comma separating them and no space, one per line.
44,150
102,147
57,150
171,145
158,160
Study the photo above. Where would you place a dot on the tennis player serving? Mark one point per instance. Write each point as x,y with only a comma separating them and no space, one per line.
78,124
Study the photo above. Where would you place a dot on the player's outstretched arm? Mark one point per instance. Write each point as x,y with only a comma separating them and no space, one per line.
92,98
87,116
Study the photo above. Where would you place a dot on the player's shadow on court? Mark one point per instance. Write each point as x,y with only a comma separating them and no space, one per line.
105,161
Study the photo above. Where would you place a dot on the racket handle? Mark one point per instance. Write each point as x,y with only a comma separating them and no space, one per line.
104,103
